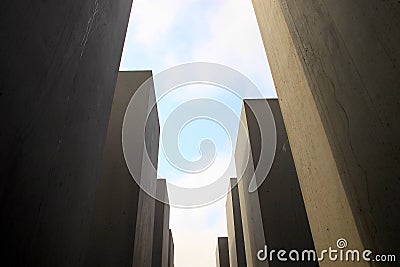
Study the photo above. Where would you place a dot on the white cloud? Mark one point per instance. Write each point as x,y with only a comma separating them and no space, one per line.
236,42
223,164
151,19
193,91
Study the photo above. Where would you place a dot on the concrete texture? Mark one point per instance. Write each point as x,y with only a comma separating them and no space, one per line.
171,250
284,217
59,67
276,210
118,210
253,230
222,252
161,237
237,254
336,70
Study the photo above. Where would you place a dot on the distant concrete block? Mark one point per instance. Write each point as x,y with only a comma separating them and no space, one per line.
274,215
161,238
237,254
222,252
121,232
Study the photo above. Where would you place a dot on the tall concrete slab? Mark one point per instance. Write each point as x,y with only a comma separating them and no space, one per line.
161,237
253,230
276,210
171,250
59,67
284,218
335,65
222,252
117,235
237,254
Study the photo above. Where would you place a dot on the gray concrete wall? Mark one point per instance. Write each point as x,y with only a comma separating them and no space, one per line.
143,164
253,230
117,207
284,217
59,67
237,255
335,68
161,237
222,252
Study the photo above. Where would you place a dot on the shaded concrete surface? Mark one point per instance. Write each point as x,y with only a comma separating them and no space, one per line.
59,67
222,252
253,230
274,215
284,217
336,70
161,237
143,164
171,250
117,207
237,255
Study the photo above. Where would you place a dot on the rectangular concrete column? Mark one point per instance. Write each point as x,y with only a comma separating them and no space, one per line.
161,237
253,230
171,250
237,254
222,252
336,70
59,67
276,210
284,217
121,232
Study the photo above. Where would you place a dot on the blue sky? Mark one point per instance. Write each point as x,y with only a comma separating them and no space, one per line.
165,33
